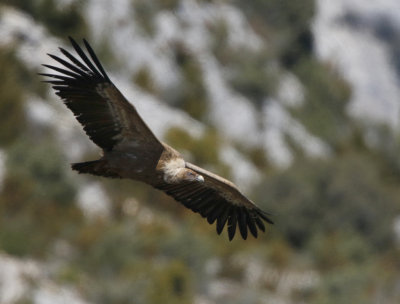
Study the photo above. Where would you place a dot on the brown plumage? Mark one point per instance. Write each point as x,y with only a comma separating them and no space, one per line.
131,150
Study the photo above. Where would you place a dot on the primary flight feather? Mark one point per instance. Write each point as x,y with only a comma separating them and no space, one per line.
131,150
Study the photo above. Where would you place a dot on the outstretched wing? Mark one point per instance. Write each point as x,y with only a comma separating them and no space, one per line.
217,199
106,116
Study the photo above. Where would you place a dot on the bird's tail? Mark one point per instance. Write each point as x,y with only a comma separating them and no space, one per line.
95,167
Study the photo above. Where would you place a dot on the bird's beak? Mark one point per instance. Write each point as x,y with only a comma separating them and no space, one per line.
200,179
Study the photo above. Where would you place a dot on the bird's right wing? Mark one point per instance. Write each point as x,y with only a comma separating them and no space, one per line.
218,199
106,116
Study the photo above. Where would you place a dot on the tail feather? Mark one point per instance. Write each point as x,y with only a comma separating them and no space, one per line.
95,167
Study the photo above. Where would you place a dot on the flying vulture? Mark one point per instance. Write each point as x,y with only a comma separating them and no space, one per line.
131,150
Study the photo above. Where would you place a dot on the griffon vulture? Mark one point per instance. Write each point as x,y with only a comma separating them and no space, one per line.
131,150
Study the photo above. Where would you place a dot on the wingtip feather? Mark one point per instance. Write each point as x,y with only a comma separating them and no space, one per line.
232,221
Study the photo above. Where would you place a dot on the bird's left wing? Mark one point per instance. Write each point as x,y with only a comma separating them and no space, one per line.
217,199
106,116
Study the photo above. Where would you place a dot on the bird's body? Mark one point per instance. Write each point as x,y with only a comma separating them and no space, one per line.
137,164
131,150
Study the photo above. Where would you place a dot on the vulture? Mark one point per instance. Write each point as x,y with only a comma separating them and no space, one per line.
132,151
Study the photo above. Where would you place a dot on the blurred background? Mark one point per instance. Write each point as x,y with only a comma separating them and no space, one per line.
298,102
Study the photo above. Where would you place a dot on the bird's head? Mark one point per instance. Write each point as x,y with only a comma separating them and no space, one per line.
191,176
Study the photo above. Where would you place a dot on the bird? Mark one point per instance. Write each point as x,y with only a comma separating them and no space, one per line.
130,150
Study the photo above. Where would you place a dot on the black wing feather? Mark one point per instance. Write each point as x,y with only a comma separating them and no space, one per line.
251,224
210,204
74,60
222,219
232,222
69,65
62,71
82,54
78,85
242,223
95,59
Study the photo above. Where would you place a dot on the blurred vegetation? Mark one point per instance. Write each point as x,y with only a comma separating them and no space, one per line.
334,217
12,116
61,20
144,12
252,77
192,96
144,80
37,199
285,24
326,96
330,197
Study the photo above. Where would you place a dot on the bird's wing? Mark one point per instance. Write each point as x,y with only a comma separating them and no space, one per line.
106,116
217,199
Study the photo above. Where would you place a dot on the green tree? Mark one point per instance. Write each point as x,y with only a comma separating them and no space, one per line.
61,20
12,115
344,194
37,199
